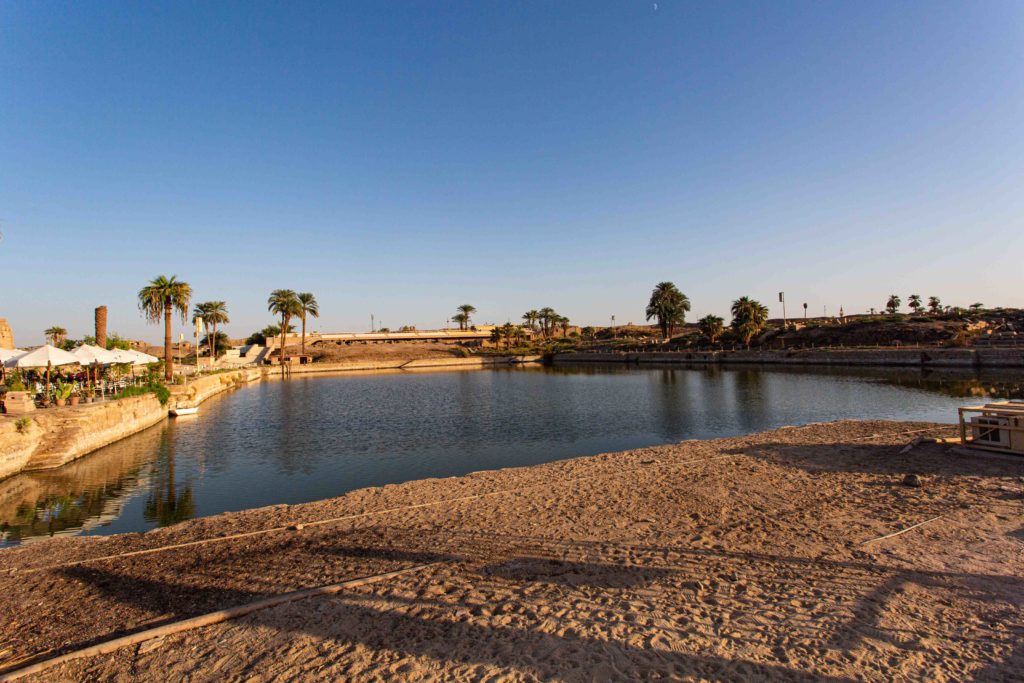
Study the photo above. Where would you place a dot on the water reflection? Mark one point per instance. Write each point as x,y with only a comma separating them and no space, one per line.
166,505
310,438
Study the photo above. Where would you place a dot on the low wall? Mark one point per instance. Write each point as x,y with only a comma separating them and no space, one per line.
975,358
198,390
52,438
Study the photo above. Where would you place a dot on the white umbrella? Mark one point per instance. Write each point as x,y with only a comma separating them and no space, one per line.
7,354
89,354
142,358
123,356
42,357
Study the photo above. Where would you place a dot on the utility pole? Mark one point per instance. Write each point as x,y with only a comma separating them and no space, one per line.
613,327
371,322
782,299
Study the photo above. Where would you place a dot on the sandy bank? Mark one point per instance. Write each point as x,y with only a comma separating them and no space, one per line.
743,558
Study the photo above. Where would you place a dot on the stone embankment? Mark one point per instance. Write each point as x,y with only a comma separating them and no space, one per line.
51,438
54,437
961,358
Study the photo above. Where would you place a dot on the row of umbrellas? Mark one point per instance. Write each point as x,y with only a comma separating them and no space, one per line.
86,354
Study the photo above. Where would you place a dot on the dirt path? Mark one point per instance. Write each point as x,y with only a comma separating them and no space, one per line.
730,559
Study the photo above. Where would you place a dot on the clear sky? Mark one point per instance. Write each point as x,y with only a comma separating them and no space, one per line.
401,158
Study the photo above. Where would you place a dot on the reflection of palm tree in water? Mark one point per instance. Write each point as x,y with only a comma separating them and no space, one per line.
165,504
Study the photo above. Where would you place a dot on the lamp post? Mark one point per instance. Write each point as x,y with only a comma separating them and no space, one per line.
782,299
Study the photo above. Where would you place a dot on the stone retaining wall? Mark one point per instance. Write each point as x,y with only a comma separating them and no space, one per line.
970,358
55,437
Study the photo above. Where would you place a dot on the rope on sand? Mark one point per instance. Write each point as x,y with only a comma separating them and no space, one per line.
205,620
903,531
332,520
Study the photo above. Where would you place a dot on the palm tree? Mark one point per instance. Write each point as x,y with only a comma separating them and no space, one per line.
531,317
285,303
463,316
161,297
934,304
893,304
547,318
748,318
711,326
201,313
914,301
217,314
669,306
309,307
56,334
215,341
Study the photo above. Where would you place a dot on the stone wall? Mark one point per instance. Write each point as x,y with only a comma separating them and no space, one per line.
198,390
979,358
56,436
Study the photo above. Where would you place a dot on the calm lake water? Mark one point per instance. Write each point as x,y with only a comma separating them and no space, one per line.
310,438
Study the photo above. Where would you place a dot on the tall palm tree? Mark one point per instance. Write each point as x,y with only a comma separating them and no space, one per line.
669,306
547,317
201,313
893,304
748,318
285,303
531,317
711,326
217,315
563,322
914,301
161,297
460,319
466,310
309,307
934,304
56,334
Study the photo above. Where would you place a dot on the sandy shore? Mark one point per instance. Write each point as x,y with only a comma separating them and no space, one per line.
748,558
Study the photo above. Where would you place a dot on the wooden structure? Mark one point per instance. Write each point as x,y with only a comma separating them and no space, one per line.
994,427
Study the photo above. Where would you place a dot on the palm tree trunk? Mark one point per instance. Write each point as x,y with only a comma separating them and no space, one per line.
284,331
303,351
168,357
213,345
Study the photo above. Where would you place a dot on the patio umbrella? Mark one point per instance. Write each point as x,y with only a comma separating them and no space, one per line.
142,358
44,357
87,353
95,356
7,354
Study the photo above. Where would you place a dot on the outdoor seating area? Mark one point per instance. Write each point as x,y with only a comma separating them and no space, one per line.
52,377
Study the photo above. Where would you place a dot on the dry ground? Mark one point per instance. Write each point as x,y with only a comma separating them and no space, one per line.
736,559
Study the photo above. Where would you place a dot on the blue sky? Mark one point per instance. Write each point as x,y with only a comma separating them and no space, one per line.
401,158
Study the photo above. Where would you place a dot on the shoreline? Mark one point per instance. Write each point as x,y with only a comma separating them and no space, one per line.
678,547
916,357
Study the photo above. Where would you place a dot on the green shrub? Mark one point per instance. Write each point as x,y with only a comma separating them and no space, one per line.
162,393
23,424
